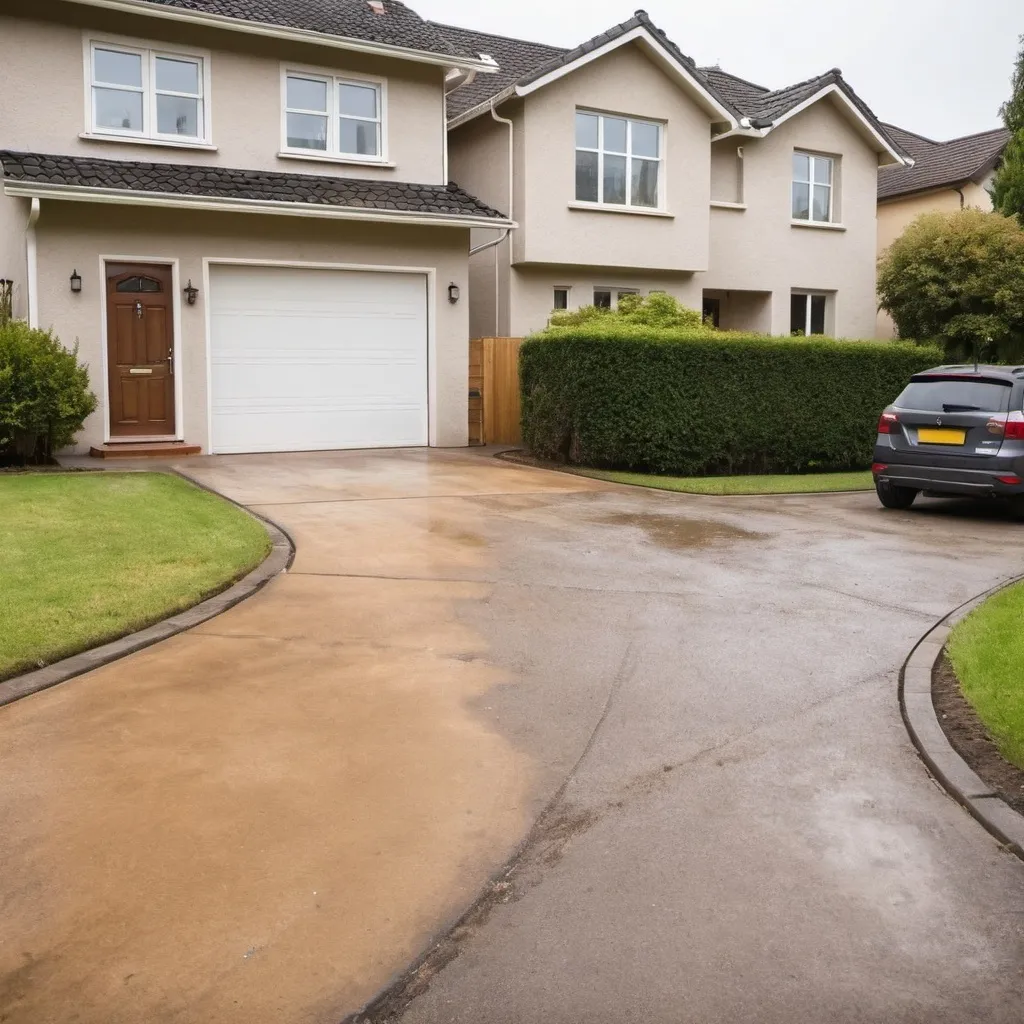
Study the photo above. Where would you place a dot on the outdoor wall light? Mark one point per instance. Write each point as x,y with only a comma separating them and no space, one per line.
453,293
76,281
191,292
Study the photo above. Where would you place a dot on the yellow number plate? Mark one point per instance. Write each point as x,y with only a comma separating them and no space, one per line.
931,435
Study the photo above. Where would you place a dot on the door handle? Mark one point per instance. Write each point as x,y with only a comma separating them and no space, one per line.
170,361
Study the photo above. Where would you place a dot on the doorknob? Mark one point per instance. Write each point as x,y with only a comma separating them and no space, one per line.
138,309
170,361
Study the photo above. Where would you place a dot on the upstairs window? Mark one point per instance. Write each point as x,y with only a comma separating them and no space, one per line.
812,187
335,117
147,94
618,161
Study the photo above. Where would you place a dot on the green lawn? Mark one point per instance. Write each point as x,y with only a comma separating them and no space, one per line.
804,483
987,651
88,557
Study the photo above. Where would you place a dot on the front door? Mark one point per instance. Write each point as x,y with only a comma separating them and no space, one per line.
140,350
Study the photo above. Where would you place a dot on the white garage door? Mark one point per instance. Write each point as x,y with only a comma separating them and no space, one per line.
314,359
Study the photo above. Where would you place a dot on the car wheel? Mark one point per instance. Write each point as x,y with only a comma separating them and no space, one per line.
892,496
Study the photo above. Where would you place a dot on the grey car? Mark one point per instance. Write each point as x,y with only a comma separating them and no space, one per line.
954,430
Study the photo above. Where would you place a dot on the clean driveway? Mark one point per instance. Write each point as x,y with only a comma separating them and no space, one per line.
267,818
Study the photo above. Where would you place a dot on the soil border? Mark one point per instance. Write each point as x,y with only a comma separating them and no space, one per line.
922,674
279,560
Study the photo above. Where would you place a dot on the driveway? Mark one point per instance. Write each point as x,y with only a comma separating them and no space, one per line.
268,818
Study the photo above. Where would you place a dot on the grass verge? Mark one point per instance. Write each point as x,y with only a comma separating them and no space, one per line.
987,652
88,557
805,483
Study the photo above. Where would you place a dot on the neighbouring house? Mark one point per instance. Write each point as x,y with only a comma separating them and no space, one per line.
944,177
628,168
242,215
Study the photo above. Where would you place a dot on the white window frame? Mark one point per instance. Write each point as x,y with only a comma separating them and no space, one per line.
808,296
568,297
601,153
333,79
148,52
813,158
617,291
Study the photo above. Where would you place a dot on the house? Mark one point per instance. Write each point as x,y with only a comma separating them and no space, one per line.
945,176
628,168
242,215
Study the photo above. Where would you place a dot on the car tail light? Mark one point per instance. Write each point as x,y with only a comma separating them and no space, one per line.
888,423
1013,430
878,467
1011,480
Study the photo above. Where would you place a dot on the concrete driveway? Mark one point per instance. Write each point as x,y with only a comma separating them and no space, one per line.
268,818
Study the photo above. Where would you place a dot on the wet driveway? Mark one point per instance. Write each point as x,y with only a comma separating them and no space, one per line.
268,818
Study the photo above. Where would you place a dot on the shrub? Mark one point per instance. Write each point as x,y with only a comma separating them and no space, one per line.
44,394
655,310
708,402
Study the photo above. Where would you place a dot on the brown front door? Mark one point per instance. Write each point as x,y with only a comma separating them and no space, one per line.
140,350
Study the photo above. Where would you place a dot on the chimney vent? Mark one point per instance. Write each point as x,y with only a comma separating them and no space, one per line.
377,6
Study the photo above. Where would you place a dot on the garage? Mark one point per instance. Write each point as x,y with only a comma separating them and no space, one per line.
305,359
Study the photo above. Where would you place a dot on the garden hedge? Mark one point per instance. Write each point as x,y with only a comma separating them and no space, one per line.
706,402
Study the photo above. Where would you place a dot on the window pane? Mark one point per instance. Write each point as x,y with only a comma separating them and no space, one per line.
801,201
602,298
586,177
821,194
176,115
357,100
118,109
307,131
177,75
615,179
138,284
116,68
306,94
798,314
357,137
561,298
935,395
817,314
801,167
614,135
645,183
645,139
586,130
823,170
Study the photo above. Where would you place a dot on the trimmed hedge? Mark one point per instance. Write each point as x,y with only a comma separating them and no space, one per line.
708,402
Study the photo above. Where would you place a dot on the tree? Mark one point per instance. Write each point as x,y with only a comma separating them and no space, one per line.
958,279
1008,184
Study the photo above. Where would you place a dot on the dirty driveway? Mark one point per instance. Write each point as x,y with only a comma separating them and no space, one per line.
267,818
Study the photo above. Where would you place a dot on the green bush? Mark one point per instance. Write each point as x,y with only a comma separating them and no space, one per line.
655,310
702,402
44,394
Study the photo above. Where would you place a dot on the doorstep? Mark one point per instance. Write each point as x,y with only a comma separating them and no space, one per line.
143,450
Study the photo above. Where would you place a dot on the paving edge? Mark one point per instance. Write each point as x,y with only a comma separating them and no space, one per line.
946,766
279,560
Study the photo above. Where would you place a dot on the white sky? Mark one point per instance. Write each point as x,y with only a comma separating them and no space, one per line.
937,67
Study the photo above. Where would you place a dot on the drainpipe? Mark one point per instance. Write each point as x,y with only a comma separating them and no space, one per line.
511,216
960,193
32,286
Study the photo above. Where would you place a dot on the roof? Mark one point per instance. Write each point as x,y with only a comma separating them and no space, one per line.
940,164
398,26
991,370
181,182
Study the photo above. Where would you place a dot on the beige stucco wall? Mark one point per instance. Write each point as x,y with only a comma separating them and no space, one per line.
727,170
759,249
627,83
895,216
78,234
42,61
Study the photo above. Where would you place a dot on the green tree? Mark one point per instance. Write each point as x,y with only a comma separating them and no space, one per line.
1008,184
958,279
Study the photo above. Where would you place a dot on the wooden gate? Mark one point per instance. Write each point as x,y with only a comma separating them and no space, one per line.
494,391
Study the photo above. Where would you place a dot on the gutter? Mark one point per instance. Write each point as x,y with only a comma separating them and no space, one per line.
32,257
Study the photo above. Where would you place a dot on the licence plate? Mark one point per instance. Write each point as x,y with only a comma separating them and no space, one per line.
932,435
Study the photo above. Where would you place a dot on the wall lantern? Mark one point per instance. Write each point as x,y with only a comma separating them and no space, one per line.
191,292
76,281
453,293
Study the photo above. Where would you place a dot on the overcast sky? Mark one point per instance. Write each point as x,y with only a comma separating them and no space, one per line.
937,67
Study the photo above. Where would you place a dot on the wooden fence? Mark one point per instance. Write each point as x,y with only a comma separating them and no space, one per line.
494,391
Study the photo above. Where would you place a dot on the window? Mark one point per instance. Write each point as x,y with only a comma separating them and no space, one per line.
608,298
561,298
812,187
146,94
807,313
333,116
618,161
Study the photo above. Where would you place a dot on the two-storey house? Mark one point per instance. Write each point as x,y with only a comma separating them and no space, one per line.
242,215
629,169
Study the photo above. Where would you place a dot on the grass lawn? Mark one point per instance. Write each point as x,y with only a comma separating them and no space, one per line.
804,483
88,557
987,651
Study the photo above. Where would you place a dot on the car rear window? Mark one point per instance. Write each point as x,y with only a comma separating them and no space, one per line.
955,396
